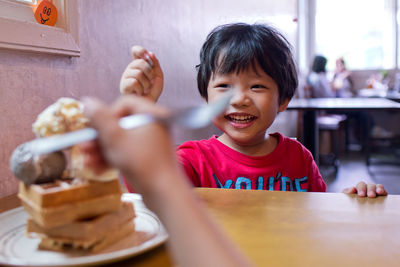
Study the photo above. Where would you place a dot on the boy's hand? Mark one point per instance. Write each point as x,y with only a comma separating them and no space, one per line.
364,190
143,76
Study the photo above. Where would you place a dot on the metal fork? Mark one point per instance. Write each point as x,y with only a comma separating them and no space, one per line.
190,118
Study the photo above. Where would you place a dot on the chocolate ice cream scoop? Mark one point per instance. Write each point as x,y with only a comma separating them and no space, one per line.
30,168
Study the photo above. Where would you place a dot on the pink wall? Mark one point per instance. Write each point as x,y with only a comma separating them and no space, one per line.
173,29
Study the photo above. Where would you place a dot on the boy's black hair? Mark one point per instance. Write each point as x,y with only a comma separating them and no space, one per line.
235,47
319,64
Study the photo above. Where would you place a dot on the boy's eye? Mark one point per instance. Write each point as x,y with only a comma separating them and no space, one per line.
223,85
258,87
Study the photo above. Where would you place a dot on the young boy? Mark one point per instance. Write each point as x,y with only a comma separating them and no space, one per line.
255,63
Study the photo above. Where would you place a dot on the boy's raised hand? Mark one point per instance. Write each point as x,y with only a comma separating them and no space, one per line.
143,76
366,190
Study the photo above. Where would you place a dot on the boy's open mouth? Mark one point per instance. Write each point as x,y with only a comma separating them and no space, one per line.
240,118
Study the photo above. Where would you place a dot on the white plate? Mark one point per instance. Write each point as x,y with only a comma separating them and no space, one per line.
18,250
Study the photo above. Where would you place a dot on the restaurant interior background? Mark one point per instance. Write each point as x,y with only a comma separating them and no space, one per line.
87,50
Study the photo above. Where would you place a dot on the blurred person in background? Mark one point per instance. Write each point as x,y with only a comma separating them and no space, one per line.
317,83
342,83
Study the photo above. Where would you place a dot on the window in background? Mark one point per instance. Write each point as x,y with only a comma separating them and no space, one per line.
20,31
20,10
28,1
397,31
361,31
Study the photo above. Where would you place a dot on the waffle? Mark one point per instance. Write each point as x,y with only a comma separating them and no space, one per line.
65,201
93,245
66,191
93,234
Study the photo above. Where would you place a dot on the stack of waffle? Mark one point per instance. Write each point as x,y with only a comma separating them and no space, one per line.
81,210
77,214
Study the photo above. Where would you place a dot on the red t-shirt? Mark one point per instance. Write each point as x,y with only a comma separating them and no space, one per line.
290,167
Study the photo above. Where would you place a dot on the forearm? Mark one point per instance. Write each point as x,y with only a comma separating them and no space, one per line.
146,158
195,240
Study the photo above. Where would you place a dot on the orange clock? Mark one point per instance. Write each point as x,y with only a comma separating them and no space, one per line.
46,13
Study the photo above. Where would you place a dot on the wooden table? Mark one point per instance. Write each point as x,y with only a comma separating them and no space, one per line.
309,229
296,228
312,106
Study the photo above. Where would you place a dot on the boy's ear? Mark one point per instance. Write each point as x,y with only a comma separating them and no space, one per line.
284,105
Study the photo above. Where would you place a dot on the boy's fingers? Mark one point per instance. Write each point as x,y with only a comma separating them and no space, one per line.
148,63
138,52
361,189
380,190
157,73
142,79
142,65
350,190
154,59
137,78
132,86
371,190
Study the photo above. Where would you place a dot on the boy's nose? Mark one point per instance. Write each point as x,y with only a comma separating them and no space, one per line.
240,98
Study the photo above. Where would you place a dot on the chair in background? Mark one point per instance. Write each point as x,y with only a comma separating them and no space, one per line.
383,148
333,125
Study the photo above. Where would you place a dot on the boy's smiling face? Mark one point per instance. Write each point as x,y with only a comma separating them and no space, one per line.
253,108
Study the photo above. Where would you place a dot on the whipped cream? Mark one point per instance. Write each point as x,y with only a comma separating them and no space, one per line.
65,115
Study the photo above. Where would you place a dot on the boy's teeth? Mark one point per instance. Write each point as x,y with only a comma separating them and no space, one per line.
241,118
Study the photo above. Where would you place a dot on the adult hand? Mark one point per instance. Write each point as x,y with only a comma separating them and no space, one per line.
146,157
141,153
